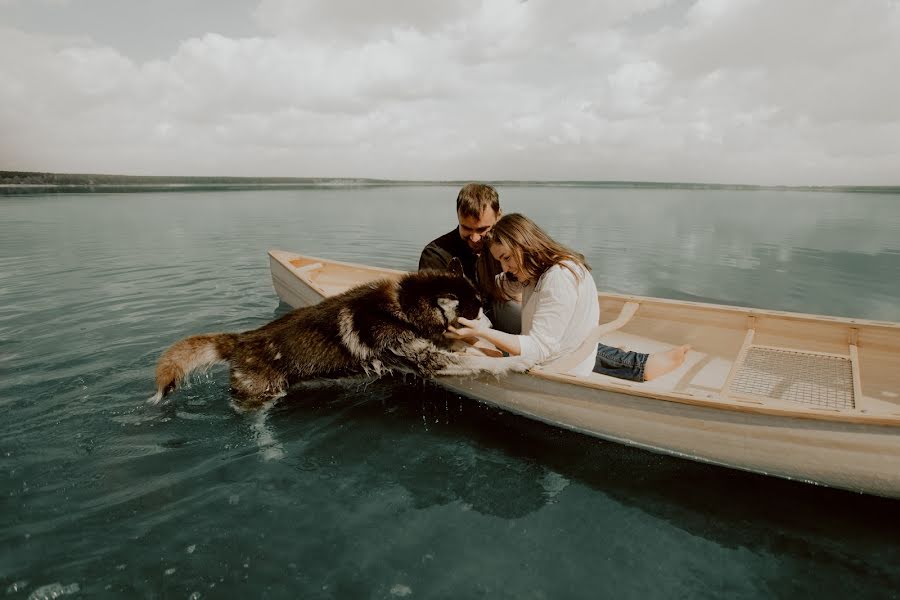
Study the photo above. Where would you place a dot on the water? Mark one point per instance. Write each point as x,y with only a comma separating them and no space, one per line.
396,488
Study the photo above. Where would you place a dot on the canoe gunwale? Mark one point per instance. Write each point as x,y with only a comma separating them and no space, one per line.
750,311
744,404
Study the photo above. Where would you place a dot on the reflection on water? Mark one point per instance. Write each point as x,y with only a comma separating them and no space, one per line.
395,487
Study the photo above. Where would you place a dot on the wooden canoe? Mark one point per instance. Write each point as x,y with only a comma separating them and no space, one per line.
805,397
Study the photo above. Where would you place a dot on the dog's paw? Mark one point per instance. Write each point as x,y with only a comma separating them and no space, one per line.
510,364
468,364
518,364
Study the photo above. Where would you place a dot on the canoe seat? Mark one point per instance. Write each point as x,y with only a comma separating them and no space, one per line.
811,378
309,267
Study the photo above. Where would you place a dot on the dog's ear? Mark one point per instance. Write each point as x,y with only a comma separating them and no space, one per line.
455,266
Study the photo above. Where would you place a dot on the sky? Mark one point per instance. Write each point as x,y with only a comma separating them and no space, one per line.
770,92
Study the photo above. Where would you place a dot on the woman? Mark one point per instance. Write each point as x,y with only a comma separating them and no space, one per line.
559,305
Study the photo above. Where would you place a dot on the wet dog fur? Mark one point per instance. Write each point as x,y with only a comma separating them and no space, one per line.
375,328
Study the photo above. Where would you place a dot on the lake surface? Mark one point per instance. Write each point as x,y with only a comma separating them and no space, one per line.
396,488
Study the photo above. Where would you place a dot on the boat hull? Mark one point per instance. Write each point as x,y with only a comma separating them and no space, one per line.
852,452
851,456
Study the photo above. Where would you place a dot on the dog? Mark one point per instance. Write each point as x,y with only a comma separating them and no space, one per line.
372,329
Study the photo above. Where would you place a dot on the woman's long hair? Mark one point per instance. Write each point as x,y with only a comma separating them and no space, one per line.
531,247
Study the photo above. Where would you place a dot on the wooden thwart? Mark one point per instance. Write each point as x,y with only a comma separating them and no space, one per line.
748,340
854,364
309,267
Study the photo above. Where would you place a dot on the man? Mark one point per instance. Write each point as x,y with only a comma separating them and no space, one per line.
477,210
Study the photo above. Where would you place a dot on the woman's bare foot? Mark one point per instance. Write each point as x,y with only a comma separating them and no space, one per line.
660,363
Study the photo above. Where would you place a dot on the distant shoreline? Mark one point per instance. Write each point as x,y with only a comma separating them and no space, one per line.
31,182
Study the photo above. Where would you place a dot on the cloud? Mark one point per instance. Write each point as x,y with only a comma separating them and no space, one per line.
737,91
50,3
358,19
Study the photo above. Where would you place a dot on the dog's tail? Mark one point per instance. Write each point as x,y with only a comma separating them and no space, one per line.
184,356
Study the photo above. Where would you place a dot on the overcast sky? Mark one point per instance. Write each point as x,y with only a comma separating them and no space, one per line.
727,91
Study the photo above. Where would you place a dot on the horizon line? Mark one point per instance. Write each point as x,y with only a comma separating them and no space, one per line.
10,178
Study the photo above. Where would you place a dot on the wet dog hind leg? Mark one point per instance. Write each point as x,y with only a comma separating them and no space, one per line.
253,387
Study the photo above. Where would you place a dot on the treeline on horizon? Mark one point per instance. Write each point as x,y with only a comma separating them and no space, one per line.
40,178
18,182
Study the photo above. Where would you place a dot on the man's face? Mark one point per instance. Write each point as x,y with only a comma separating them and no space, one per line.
509,261
473,230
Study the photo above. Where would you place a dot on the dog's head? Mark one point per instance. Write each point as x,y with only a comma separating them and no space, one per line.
432,300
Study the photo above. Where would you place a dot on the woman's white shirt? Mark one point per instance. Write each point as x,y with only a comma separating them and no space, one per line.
559,311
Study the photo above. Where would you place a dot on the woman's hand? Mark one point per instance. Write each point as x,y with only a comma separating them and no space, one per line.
468,329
